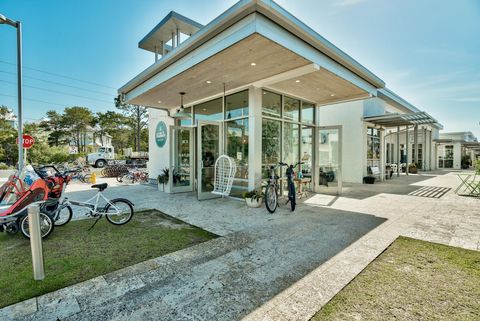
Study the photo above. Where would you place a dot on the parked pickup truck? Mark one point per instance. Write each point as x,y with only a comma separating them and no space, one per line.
104,155
101,157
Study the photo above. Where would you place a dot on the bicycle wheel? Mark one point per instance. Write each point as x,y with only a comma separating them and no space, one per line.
86,178
128,178
63,216
291,197
120,178
46,225
119,212
271,198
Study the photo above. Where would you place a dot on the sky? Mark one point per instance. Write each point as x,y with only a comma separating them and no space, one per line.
77,53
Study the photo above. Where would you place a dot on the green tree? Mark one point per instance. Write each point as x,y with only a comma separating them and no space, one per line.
54,124
137,119
76,121
8,135
116,125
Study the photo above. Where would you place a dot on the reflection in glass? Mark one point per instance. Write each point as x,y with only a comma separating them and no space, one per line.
210,151
308,113
181,158
328,152
291,109
236,145
236,105
271,135
307,151
210,110
271,104
290,143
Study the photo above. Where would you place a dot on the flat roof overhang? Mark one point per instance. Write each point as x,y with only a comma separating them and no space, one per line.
396,120
276,68
243,19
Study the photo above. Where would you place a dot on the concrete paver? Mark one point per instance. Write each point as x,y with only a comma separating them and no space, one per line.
266,267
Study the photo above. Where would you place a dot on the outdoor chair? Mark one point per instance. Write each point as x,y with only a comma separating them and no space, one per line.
471,186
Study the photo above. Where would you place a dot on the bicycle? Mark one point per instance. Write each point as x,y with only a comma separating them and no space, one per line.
117,211
272,189
133,176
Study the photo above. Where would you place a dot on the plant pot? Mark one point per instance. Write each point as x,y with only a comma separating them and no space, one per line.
412,170
254,203
369,180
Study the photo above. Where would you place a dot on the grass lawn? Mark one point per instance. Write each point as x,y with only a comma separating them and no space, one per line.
412,280
73,254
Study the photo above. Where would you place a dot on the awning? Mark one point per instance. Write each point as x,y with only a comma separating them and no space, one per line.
394,120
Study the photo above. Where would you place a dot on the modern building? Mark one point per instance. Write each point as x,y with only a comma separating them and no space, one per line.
254,84
456,149
369,135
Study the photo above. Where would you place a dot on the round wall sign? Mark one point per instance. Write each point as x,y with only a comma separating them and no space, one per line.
161,134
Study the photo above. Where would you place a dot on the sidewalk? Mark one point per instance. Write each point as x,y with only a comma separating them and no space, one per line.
267,267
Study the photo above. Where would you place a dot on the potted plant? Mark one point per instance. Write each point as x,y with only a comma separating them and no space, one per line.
412,168
163,179
253,198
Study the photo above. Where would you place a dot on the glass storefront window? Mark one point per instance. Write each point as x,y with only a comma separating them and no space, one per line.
271,104
291,109
307,151
236,105
291,148
236,146
373,147
308,113
210,110
271,148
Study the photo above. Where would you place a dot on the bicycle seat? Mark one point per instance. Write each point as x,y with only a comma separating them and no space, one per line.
101,187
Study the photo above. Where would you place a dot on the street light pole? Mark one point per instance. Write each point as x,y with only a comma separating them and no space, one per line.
18,26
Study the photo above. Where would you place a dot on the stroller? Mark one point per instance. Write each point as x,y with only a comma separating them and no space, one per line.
22,189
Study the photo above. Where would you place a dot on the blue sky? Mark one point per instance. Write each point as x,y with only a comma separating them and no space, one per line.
426,51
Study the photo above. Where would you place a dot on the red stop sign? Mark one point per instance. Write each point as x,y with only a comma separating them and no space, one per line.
28,141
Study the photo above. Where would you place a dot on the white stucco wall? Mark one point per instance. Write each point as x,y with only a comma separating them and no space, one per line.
159,158
349,116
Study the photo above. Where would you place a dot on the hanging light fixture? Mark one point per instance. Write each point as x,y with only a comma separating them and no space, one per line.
181,113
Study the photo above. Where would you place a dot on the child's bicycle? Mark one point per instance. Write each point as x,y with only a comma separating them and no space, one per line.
273,188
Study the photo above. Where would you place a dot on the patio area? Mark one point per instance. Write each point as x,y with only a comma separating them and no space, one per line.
266,267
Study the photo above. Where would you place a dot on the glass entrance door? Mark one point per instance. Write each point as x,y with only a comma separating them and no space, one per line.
181,160
209,136
329,160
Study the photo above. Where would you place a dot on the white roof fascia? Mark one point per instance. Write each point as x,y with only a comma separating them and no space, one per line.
237,13
396,101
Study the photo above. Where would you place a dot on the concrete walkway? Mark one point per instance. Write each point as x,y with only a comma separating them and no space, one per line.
267,267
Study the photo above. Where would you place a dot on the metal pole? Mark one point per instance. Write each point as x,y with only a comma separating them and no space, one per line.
398,151
407,142
36,242
20,95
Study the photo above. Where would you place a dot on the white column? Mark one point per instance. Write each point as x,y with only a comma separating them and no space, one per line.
398,151
254,138
382,154
407,143
178,37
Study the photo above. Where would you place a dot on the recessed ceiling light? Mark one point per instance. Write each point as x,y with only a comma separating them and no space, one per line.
204,109
253,64
159,101
332,95
297,81
209,82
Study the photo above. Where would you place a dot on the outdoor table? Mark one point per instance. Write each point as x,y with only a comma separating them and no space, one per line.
464,181
300,182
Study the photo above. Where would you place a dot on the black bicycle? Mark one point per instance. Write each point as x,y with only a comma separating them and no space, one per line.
273,187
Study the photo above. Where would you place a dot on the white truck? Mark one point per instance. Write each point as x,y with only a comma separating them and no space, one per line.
101,157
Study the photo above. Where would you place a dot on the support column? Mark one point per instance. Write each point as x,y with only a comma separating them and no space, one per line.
178,37
254,138
415,144
382,154
156,54
424,148
407,143
162,44
173,40
398,151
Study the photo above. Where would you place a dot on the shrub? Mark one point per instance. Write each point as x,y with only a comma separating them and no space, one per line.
4,166
253,194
